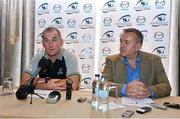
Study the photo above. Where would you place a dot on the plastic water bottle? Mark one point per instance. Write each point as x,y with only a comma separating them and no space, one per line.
103,104
95,91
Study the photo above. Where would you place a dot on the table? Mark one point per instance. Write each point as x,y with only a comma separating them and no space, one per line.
11,107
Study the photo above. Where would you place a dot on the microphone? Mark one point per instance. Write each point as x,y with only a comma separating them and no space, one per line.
24,90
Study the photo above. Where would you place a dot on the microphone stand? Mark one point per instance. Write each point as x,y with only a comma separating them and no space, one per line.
31,91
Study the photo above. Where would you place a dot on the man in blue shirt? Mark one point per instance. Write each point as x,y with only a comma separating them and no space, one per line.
137,74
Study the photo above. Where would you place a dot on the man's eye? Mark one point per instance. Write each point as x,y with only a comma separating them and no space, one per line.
54,39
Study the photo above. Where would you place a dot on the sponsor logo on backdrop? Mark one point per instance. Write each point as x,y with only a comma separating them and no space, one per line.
109,6
42,23
39,39
72,8
43,9
57,22
141,20
124,21
86,68
72,38
87,23
86,53
142,5
86,38
71,23
160,51
57,8
159,36
40,50
107,21
71,50
160,4
87,8
145,34
86,80
101,68
108,36
159,20
124,5
106,51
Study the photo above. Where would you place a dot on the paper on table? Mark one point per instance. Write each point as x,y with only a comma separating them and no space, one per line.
136,102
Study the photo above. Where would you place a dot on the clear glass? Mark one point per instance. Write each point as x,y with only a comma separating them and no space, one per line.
7,86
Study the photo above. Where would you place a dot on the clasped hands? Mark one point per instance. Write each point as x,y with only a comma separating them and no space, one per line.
137,89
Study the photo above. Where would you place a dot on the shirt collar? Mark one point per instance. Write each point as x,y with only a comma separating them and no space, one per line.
59,56
125,60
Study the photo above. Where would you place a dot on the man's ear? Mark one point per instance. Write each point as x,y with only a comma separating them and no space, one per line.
138,46
62,42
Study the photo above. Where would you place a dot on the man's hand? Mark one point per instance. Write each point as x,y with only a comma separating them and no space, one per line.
137,89
53,84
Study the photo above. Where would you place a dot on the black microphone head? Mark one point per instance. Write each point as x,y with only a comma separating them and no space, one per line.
23,92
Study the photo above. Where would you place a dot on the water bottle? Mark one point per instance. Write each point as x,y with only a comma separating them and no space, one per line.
103,104
95,91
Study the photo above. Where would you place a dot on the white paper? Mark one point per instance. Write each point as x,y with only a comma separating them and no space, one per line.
136,102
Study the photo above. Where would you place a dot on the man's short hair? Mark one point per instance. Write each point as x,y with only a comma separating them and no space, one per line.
51,29
137,32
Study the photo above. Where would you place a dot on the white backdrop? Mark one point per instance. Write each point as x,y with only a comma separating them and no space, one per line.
91,28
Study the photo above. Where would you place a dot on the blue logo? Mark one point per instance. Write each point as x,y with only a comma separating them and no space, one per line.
71,38
125,18
107,21
124,4
42,23
43,9
57,8
72,8
72,35
87,20
109,6
108,34
159,20
142,2
39,39
159,50
160,3
124,21
142,5
158,35
87,23
86,53
57,21
87,80
87,7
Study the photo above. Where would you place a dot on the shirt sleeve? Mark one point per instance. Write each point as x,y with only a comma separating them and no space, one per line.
33,65
71,64
123,90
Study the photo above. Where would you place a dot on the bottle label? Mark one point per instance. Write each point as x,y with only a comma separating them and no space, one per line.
103,93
